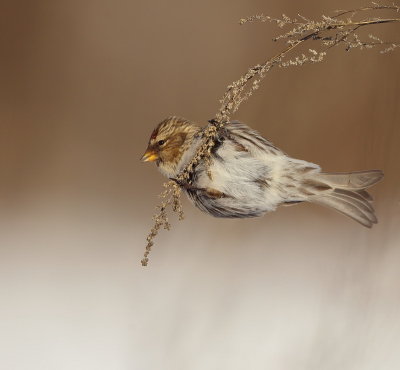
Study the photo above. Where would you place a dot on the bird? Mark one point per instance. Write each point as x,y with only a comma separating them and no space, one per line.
247,176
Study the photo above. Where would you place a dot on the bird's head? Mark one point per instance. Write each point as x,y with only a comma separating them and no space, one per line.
168,143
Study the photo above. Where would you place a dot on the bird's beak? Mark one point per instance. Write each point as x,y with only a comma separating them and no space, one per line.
149,156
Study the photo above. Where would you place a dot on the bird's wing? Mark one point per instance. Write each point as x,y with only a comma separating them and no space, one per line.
250,140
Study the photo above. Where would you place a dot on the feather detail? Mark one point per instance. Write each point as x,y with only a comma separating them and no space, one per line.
349,196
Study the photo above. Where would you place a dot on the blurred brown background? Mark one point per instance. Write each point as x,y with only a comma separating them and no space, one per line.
82,84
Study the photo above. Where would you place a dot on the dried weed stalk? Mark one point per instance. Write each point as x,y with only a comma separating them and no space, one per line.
325,33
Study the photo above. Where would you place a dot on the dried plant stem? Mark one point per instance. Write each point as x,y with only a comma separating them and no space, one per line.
233,96
171,197
327,32
367,8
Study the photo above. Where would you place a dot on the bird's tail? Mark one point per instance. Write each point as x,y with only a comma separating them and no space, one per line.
346,193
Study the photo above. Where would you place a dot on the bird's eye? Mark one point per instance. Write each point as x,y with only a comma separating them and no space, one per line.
161,142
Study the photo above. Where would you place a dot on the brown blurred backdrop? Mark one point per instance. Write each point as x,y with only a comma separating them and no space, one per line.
82,84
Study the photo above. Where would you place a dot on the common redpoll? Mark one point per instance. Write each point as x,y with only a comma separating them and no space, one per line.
248,176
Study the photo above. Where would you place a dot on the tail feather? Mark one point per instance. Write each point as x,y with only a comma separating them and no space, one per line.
355,197
347,194
351,180
348,208
365,195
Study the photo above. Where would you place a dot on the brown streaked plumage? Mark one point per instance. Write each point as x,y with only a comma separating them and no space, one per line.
169,141
250,176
